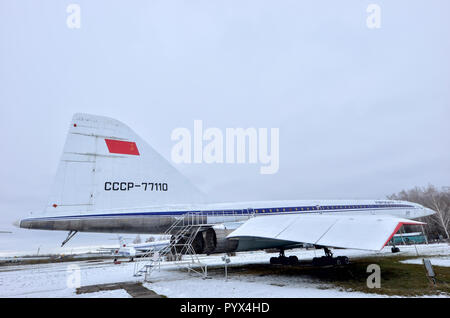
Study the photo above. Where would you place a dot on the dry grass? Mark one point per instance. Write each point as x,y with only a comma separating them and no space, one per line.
397,279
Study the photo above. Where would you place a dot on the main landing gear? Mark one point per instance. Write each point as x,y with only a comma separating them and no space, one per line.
283,260
328,259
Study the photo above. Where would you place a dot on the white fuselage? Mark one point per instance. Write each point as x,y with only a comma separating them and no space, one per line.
156,219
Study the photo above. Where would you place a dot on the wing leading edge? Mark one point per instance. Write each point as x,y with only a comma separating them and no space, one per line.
366,232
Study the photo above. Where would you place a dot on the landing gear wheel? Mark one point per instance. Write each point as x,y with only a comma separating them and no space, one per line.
283,260
293,260
395,250
343,260
323,261
329,260
316,261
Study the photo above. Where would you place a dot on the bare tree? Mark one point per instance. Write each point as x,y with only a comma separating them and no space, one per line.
440,203
435,199
137,240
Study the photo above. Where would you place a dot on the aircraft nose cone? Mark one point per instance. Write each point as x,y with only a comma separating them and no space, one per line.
24,224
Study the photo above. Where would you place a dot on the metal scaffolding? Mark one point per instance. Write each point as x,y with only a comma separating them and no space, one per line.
183,232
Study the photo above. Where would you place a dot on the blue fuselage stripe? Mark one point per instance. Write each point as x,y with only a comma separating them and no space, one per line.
240,212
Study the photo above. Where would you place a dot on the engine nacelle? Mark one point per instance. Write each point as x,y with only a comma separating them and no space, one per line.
215,241
212,241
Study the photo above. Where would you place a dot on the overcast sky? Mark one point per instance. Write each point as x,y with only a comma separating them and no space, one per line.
362,112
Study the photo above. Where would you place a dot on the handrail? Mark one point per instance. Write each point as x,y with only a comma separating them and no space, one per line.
186,227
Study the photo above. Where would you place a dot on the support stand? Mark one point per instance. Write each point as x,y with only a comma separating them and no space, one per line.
69,236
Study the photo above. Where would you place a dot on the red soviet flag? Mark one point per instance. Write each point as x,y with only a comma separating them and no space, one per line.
122,147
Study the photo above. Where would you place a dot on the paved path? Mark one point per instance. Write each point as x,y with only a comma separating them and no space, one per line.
135,290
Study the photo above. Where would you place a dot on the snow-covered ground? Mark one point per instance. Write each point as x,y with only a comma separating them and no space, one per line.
60,279
116,293
436,261
181,285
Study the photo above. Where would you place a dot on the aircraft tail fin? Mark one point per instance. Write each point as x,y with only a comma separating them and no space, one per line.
105,165
122,242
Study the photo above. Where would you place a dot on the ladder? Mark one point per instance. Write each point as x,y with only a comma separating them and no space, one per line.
183,232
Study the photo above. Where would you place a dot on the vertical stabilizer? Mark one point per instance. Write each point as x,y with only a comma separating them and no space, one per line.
105,165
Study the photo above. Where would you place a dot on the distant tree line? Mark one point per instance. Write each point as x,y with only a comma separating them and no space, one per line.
438,224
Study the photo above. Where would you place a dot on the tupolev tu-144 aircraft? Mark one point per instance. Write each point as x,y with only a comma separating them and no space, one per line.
109,180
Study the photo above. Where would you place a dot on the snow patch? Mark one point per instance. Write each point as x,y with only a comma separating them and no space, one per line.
436,261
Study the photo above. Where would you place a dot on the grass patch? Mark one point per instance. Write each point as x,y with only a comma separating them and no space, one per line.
397,279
